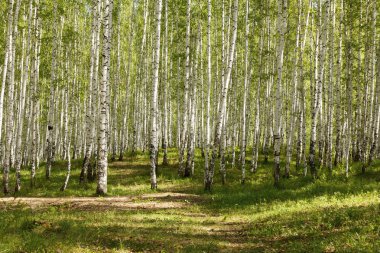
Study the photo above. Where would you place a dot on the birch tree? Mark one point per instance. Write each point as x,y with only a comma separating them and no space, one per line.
245,91
166,82
36,103
209,81
68,129
50,146
154,102
184,133
104,106
281,28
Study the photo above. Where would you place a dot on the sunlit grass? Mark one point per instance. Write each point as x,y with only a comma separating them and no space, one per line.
330,214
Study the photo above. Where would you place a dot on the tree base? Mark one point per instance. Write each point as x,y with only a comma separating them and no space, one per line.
208,186
100,192
17,188
187,173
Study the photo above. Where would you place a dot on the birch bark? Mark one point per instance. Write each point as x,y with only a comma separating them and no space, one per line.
154,102
104,107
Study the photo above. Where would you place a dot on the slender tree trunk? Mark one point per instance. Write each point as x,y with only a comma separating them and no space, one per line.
36,103
376,104
192,122
244,111
349,131
181,169
268,116
202,99
165,119
104,107
281,28
178,106
154,103
50,128
209,82
330,113
256,134
339,110
67,125
116,89
227,112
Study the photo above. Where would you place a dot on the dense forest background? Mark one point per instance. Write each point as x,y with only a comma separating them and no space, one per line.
297,81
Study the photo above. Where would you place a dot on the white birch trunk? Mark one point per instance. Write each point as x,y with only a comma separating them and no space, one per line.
50,128
245,91
166,73
36,103
281,29
209,82
154,102
184,133
68,127
104,107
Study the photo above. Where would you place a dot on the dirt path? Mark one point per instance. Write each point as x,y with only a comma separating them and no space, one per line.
167,200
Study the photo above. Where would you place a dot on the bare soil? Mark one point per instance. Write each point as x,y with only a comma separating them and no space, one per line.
167,200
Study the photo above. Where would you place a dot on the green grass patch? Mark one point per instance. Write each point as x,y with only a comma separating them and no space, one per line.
330,214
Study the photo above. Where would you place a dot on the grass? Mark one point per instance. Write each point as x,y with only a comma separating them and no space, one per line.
331,214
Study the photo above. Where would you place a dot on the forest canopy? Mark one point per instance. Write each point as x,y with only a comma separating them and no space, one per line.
293,81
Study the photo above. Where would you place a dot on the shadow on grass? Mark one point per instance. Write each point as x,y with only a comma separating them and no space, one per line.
131,176
347,229
201,226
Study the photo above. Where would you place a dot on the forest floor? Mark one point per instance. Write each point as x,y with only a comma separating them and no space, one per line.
330,214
